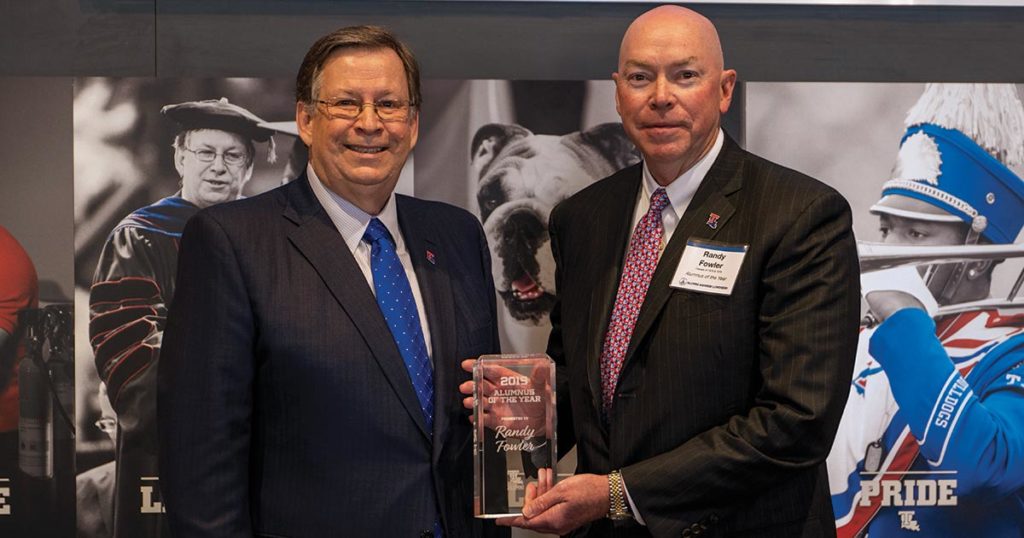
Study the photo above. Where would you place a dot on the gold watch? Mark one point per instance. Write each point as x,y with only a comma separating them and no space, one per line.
618,506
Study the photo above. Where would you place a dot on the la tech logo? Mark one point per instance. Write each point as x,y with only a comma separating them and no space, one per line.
150,496
909,492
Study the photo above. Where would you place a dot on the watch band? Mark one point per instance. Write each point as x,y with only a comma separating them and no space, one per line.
618,506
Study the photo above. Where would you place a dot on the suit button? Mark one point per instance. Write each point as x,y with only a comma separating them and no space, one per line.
714,518
427,534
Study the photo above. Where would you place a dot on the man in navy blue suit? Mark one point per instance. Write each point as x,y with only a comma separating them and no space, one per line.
309,382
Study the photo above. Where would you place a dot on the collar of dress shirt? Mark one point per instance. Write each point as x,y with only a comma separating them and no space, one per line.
351,221
681,190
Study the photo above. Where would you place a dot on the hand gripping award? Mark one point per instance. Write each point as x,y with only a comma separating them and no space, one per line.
514,440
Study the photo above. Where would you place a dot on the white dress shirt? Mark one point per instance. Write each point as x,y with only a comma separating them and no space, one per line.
680,192
351,223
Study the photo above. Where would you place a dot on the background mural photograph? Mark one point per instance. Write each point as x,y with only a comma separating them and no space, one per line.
148,155
932,439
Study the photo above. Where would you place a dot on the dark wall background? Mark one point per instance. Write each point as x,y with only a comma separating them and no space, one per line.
503,40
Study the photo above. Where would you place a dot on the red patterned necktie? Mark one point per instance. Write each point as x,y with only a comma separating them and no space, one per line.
641,260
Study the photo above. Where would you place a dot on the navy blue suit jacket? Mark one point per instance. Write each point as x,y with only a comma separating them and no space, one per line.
285,408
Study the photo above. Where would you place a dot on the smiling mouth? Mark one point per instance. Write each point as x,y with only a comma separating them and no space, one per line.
369,150
659,126
218,182
663,133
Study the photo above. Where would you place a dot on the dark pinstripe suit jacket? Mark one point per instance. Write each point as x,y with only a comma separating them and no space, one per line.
285,408
726,406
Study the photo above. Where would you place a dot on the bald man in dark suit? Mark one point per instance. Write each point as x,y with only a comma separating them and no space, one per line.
707,318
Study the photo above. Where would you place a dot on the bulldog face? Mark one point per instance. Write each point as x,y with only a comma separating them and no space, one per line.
521,177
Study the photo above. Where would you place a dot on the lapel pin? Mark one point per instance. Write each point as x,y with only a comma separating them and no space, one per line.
713,220
431,257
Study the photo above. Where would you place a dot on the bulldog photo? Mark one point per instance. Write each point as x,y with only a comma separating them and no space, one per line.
521,176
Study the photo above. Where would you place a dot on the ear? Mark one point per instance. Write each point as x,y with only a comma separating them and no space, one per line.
609,141
615,78
728,84
304,122
414,129
246,177
179,161
488,142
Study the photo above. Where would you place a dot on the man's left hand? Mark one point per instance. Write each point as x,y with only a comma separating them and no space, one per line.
570,504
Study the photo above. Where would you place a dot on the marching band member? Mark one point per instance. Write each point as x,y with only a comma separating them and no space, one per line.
932,439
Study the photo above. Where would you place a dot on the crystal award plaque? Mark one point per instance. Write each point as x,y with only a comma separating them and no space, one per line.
514,442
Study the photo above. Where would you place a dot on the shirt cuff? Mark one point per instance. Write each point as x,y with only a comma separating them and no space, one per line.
632,507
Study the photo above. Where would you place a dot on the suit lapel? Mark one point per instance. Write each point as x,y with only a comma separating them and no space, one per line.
430,262
722,179
619,202
317,239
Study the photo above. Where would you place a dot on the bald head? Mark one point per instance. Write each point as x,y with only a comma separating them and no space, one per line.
668,23
671,89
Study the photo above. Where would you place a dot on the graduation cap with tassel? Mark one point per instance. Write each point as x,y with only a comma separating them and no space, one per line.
224,116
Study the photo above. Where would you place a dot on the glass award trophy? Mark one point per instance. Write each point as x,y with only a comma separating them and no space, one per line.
514,442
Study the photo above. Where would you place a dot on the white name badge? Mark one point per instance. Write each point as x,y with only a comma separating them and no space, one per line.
709,267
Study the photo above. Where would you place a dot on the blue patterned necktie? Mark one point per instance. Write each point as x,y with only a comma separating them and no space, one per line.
394,296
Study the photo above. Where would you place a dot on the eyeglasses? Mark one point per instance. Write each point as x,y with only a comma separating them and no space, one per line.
106,425
231,158
349,109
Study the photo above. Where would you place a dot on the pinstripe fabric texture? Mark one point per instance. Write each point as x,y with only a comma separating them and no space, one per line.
641,260
725,406
310,425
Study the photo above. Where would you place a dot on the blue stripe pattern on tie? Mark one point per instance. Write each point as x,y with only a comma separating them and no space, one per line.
394,296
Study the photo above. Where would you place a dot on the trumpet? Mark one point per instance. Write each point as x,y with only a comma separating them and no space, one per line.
878,256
